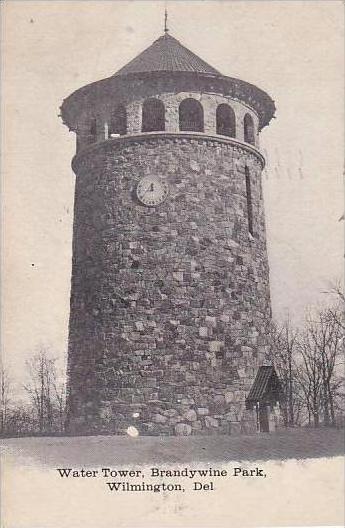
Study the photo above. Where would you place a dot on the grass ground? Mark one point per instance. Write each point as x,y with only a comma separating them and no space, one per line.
122,450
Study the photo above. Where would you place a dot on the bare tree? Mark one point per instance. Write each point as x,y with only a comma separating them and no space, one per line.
309,377
336,289
60,401
327,337
5,399
21,419
320,349
283,341
42,388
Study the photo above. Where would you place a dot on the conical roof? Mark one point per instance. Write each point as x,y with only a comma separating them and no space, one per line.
167,54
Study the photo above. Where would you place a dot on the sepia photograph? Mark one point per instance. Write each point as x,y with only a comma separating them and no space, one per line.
172,263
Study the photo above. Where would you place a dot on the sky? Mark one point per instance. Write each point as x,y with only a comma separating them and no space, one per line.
291,49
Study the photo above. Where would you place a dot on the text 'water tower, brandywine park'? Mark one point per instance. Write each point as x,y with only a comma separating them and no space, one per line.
170,298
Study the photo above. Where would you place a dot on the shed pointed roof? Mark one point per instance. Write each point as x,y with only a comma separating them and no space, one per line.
169,55
266,380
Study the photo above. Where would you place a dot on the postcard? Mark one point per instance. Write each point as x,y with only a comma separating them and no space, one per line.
173,229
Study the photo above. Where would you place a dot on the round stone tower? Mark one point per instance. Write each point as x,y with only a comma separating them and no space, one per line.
170,283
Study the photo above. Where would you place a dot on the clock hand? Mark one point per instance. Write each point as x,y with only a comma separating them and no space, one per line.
150,188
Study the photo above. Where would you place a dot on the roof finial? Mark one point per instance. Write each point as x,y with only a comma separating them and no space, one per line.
166,29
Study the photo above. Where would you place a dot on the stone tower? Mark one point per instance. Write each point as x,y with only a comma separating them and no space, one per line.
170,281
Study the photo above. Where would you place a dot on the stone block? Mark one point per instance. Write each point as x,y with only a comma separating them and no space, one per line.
239,396
197,426
159,419
202,411
183,429
186,401
170,413
106,413
194,166
203,331
211,422
231,416
215,346
175,419
148,427
210,321
190,415
229,396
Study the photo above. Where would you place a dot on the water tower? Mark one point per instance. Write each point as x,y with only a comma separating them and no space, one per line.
170,283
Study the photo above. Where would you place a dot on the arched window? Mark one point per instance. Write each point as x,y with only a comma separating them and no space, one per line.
118,122
249,201
249,129
191,115
153,116
226,121
93,130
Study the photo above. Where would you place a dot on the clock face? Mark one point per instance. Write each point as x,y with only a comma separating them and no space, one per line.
152,190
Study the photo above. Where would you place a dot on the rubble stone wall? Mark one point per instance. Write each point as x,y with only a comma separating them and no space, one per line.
169,304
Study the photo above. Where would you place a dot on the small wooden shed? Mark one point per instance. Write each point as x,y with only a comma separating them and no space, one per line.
266,397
